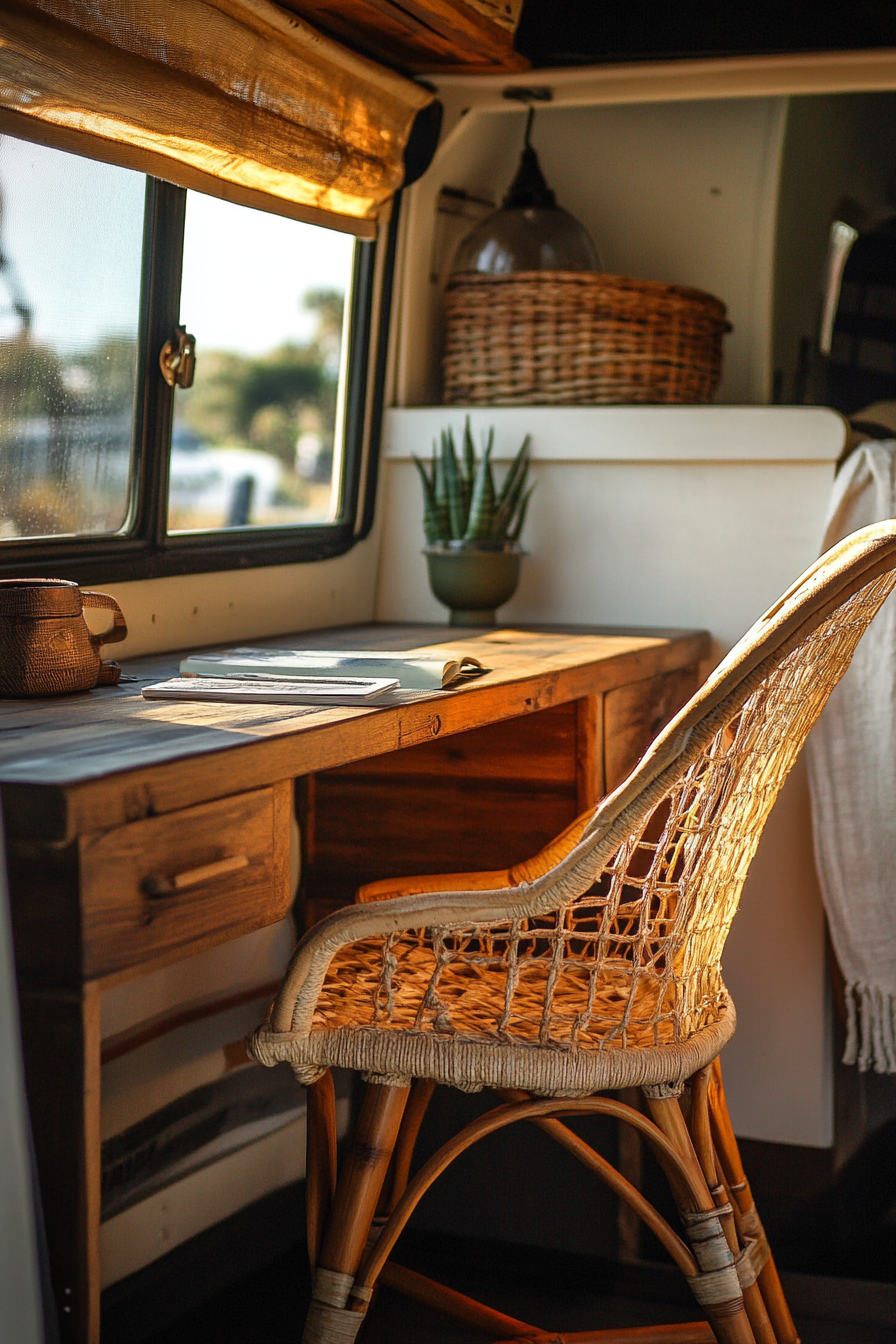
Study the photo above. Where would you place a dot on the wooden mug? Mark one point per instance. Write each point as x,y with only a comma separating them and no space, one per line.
46,647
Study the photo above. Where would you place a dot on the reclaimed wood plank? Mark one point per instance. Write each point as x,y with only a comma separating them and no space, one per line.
539,748
590,784
479,800
445,826
634,714
164,750
419,35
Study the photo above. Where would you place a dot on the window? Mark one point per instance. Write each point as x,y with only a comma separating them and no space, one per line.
258,437
107,472
71,234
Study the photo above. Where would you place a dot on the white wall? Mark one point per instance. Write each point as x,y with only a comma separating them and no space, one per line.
190,611
688,517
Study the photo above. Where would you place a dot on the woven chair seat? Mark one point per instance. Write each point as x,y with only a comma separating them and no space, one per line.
461,1039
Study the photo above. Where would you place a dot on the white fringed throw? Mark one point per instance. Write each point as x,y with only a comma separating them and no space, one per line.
851,756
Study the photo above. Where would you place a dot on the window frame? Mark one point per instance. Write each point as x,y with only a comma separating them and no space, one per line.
147,551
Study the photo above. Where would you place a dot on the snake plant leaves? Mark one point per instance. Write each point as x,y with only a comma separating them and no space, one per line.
469,455
454,489
482,500
441,492
514,533
460,502
511,493
435,515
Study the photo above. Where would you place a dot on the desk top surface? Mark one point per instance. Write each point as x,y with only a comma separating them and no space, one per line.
92,760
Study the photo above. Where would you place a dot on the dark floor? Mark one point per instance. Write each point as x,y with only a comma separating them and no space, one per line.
246,1280
227,1287
267,1309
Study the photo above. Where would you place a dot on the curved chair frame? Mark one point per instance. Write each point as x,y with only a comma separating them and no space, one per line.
733,730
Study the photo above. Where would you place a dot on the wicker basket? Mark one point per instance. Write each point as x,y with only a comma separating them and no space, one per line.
579,338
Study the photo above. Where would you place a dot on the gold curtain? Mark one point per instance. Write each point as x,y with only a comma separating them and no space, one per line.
236,98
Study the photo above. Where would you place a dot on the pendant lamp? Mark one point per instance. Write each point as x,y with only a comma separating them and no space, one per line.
530,232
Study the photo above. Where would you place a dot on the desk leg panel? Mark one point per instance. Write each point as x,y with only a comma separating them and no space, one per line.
590,785
636,713
469,802
61,1039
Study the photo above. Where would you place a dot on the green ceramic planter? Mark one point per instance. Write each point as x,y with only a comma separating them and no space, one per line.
473,579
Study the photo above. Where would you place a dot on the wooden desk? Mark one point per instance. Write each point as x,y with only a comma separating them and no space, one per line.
109,798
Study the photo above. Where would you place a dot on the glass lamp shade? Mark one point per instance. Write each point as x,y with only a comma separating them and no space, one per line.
529,233
531,239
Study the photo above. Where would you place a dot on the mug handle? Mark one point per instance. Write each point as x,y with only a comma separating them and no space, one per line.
118,629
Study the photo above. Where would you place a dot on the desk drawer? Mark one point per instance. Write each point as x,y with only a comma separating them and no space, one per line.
182,880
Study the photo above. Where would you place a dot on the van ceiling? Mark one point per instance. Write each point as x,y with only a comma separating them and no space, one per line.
568,32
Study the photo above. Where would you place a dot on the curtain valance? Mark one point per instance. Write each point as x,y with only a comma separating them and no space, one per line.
234,97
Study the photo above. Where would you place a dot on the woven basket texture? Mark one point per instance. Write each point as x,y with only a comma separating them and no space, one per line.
579,338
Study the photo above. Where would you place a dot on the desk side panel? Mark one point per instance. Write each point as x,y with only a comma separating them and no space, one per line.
478,800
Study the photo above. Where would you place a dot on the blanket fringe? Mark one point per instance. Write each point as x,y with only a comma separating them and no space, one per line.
870,1028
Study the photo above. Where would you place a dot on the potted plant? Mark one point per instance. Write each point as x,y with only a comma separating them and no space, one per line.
472,529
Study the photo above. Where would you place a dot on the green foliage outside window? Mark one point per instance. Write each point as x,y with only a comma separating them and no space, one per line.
268,401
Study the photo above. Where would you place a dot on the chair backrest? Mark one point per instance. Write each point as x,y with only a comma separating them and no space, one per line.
619,944
648,895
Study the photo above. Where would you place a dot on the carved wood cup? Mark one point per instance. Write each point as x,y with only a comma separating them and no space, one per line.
46,647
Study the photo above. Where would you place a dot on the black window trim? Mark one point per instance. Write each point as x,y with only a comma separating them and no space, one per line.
147,551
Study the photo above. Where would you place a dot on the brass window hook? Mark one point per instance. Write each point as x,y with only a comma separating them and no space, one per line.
177,359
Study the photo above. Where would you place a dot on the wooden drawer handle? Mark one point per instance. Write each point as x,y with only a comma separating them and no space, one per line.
167,886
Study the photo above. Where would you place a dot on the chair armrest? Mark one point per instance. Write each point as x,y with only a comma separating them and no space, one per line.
294,1005
392,887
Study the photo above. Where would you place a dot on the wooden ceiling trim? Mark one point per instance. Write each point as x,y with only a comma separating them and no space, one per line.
423,36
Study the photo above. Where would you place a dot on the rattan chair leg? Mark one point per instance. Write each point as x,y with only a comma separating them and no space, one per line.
630,1160
490,1322
701,1137
399,1171
733,1171
337,1306
462,1308
721,1299
641,1208
320,1159
498,1119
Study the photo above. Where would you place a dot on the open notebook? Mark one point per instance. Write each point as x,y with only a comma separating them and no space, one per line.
416,670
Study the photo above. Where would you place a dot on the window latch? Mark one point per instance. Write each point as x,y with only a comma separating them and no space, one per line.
177,359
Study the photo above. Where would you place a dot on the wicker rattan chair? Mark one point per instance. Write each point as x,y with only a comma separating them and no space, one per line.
593,967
